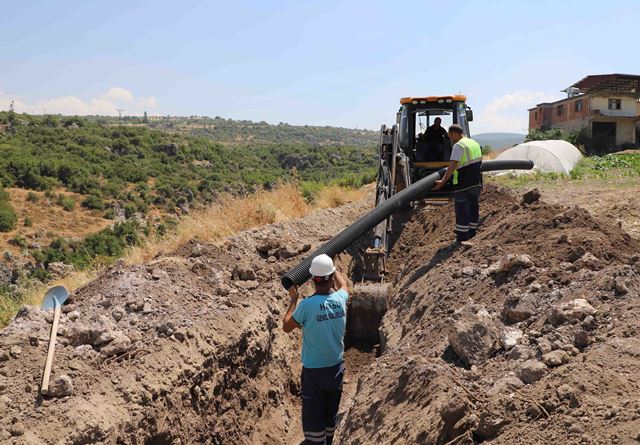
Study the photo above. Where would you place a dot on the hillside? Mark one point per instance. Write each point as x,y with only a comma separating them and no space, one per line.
499,141
230,131
82,190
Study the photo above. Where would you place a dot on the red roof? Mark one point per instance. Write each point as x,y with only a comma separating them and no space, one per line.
618,83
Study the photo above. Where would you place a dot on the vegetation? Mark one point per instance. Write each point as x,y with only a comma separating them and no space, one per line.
92,157
611,166
121,170
8,218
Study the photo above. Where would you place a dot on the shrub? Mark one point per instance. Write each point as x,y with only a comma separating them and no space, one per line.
66,202
32,197
93,202
28,222
19,240
8,218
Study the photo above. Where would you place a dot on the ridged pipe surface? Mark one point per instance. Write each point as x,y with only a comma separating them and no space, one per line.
342,240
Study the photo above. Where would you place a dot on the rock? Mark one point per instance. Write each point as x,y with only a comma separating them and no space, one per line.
243,272
571,311
519,308
117,313
17,429
581,339
6,275
575,429
60,270
73,315
453,410
61,387
589,322
531,371
289,251
521,352
489,426
180,334
530,197
509,337
555,358
506,385
621,286
468,271
147,309
544,345
248,285
472,334
511,264
96,332
83,351
15,351
587,261
117,346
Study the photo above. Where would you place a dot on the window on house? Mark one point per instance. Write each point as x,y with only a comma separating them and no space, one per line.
615,104
560,110
535,115
579,105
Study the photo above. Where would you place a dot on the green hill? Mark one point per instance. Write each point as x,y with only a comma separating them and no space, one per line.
499,141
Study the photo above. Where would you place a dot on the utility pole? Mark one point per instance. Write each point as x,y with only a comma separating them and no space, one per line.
119,110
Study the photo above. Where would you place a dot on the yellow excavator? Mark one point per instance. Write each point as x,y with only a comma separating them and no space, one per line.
404,157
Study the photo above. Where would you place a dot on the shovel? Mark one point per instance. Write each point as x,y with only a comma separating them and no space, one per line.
53,299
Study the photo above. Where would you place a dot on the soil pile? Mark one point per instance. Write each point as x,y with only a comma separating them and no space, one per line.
530,336
185,349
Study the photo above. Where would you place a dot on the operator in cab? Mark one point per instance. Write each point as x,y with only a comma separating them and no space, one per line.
435,138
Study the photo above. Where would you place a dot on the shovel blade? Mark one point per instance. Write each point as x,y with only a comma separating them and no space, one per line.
56,296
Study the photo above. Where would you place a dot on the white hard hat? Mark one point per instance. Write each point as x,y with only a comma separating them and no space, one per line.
322,266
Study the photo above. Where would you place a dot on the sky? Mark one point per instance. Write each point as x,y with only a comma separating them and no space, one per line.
307,62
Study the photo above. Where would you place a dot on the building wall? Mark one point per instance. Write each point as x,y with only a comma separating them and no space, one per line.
628,106
625,132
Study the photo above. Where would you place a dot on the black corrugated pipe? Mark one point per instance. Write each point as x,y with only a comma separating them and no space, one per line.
342,240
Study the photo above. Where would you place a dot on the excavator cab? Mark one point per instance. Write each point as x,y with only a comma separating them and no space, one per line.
427,149
409,151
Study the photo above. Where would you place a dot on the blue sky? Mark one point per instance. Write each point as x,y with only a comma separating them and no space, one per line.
307,62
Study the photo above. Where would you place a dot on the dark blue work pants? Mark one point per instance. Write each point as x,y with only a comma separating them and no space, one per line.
321,392
467,205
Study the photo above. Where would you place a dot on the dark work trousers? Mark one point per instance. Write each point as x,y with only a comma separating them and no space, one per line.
467,204
321,392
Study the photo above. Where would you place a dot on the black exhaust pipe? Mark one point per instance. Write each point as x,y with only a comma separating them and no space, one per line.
299,274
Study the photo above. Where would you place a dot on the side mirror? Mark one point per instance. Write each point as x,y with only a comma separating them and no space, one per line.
469,115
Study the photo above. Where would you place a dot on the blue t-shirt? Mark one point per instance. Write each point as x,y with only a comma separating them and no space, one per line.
323,319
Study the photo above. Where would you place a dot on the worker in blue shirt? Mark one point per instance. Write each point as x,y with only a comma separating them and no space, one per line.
322,318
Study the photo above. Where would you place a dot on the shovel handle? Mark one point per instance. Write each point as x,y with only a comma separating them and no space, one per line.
44,388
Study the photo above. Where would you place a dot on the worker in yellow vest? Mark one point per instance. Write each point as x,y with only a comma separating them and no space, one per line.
465,168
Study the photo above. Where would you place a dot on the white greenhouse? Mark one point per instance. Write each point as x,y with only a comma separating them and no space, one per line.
547,156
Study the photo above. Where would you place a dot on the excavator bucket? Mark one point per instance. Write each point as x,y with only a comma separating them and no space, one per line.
367,306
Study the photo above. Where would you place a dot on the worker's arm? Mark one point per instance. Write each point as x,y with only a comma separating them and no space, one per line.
339,282
289,323
441,183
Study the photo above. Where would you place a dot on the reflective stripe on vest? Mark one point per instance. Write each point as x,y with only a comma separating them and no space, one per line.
471,153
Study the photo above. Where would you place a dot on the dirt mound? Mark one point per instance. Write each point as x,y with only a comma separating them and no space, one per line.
531,336
185,349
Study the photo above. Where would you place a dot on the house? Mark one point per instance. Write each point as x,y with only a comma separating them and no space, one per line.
605,106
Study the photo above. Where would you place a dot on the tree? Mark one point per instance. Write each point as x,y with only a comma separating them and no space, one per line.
12,115
145,118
